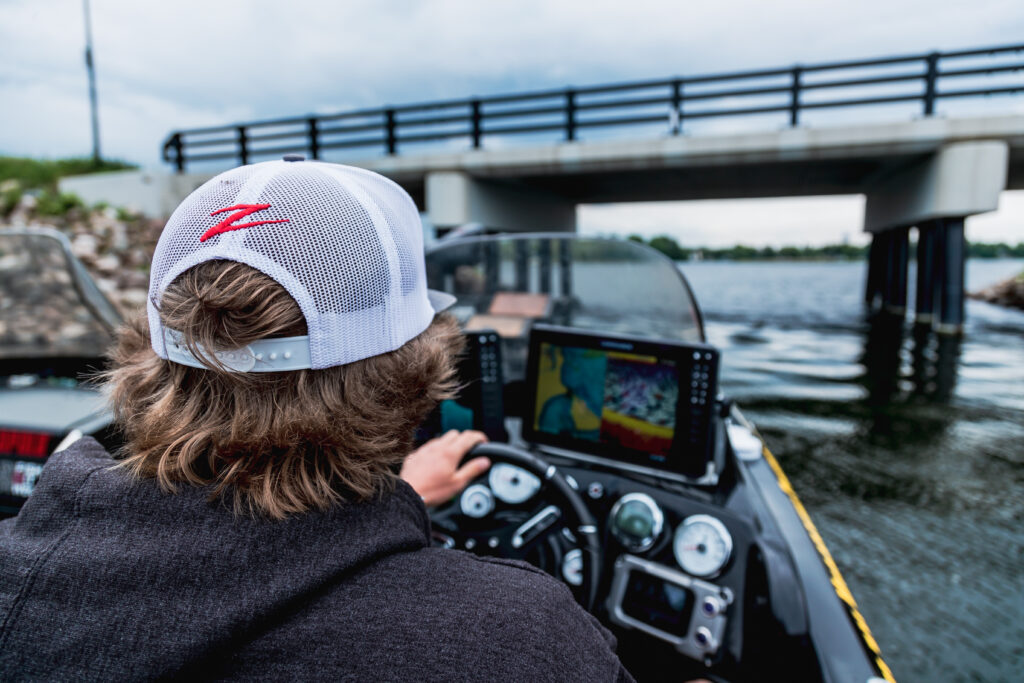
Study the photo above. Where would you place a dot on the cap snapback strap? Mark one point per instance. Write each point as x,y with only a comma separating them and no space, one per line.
264,355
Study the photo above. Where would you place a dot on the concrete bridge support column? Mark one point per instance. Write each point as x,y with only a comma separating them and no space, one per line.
928,284
954,254
454,198
894,289
898,255
936,193
876,271
941,255
887,272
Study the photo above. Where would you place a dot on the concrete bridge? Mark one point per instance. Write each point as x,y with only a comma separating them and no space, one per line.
927,175
458,161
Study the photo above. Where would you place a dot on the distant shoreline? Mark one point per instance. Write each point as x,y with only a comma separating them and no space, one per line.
823,260
829,252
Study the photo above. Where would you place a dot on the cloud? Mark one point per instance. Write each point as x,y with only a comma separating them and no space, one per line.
172,65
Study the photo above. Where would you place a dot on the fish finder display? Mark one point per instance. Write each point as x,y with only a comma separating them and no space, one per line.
613,397
633,401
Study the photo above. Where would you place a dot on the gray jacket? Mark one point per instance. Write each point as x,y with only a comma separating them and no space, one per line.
105,578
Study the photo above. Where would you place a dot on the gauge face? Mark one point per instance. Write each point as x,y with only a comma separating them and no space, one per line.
702,545
476,501
636,520
511,484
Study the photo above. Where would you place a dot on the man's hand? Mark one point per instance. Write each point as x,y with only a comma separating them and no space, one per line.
433,469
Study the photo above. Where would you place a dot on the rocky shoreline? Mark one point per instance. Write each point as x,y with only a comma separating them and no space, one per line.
115,246
1009,293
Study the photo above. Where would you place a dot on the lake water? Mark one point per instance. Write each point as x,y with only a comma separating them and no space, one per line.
907,448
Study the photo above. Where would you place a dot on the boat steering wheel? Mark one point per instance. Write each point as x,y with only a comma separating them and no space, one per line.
557,508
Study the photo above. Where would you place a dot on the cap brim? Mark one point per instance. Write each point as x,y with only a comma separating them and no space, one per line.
440,301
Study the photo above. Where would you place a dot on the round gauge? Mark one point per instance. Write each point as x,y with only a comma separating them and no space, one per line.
572,567
636,520
511,484
476,501
702,545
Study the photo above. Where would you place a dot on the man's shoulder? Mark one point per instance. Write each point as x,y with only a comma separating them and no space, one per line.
467,576
504,612
461,561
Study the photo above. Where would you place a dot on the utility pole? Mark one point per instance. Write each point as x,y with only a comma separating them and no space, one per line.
92,85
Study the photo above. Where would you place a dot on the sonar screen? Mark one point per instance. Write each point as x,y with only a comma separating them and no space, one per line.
480,403
627,400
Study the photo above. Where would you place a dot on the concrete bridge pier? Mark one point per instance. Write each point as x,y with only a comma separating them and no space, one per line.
454,198
952,252
929,280
935,194
887,271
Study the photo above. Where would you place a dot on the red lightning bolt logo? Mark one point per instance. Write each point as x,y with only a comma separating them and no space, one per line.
240,212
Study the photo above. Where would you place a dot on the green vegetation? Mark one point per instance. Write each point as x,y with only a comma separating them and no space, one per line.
9,198
57,204
43,173
39,177
998,250
831,252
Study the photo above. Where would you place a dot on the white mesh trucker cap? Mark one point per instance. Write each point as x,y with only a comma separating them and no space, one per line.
345,242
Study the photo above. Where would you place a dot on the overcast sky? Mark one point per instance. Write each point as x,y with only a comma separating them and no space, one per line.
168,65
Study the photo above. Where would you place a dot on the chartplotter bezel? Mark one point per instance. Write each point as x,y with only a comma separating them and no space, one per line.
692,440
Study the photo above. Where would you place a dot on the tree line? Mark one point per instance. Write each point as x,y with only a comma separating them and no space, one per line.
829,252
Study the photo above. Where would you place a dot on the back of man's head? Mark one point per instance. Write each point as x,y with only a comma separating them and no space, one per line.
292,345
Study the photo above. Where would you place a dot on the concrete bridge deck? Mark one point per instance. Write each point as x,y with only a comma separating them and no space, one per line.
785,163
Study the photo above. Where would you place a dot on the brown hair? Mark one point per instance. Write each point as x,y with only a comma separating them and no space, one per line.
278,443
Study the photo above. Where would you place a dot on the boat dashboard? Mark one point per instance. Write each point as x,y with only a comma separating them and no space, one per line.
610,472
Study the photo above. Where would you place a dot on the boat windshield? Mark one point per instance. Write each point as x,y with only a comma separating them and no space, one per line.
49,307
504,282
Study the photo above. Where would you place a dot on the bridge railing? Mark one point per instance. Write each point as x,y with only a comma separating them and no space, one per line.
561,115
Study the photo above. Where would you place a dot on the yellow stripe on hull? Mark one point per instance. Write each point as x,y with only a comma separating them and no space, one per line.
838,583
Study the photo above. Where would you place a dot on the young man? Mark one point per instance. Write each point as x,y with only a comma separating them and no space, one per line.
252,526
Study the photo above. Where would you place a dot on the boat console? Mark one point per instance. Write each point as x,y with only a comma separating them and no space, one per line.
634,427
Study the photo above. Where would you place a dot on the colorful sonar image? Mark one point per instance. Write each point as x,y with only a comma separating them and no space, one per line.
611,397
640,397
570,391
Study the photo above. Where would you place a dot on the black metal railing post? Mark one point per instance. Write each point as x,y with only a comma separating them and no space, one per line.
794,98
930,76
389,131
314,137
243,146
179,155
677,106
570,115
475,119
